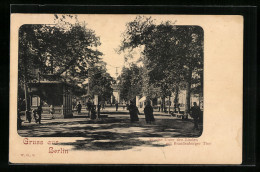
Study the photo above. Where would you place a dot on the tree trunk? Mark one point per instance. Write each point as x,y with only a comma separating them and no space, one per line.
25,85
163,104
27,105
201,87
176,98
188,88
169,105
25,96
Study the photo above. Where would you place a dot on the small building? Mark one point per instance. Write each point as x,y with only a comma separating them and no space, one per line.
51,92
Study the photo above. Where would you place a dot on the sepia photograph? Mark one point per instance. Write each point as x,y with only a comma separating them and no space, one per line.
70,85
92,85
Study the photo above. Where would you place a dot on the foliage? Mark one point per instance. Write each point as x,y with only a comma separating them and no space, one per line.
100,83
67,50
171,55
130,82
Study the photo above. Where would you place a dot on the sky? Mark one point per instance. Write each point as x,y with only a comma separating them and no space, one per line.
109,27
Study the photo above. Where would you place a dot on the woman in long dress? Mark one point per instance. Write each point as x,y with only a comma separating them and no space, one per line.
148,112
133,110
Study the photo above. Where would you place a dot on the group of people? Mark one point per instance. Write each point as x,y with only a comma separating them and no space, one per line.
148,112
37,112
134,112
195,113
93,111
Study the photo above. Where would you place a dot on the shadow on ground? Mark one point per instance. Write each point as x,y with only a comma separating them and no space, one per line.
112,133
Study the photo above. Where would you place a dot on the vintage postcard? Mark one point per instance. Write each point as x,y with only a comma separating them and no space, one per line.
126,89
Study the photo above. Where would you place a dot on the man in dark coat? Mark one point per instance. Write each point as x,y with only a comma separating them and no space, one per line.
35,115
89,105
116,106
39,112
148,112
98,110
133,110
79,108
195,112
93,112
103,105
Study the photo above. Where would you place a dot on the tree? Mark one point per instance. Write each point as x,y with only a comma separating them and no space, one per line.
100,82
64,50
172,54
130,82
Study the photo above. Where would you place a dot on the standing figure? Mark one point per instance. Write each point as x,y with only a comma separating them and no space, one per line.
89,105
148,112
52,111
74,104
103,105
178,107
35,115
133,110
93,112
195,112
28,115
79,108
39,112
98,110
116,106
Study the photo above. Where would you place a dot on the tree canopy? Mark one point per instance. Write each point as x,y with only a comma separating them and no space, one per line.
172,54
130,82
66,50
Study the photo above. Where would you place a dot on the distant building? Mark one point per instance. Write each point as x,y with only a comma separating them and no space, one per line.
116,94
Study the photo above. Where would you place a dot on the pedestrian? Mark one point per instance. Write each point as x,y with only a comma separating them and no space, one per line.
28,115
162,107
178,107
79,108
195,112
98,110
93,112
35,115
103,105
39,112
148,112
52,111
133,110
89,105
116,106
74,104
